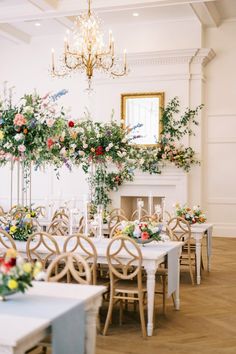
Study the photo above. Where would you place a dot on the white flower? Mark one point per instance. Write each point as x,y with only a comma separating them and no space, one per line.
85,145
40,276
28,109
141,161
20,261
81,153
19,137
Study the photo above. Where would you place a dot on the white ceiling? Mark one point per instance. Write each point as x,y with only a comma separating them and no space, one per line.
18,17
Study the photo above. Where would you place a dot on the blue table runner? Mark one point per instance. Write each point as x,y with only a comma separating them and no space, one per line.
66,316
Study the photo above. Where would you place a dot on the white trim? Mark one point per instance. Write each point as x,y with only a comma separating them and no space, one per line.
220,201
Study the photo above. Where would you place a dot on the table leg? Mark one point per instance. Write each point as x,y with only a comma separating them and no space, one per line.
209,246
150,298
176,294
91,327
198,260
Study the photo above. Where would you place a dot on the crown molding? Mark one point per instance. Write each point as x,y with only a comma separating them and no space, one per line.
170,57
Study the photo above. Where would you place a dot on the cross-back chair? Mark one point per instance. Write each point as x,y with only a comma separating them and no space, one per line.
114,220
81,244
135,215
42,247
71,263
6,242
125,266
58,227
181,231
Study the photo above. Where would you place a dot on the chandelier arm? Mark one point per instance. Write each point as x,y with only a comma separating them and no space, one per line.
70,67
107,67
124,72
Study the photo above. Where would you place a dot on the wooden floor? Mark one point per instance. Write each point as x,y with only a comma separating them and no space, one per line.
206,323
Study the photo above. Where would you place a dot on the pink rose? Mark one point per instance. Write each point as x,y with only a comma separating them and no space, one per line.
21,148
19,120
50,122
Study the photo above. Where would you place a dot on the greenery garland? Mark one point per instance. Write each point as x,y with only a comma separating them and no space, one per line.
37,130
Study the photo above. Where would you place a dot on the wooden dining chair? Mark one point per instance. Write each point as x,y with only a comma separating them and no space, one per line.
125,266
40,210
61,213
42,247
74,264
134,216
81,244
114,220
6,242
58,227
116,211
162,274
2,212
181,231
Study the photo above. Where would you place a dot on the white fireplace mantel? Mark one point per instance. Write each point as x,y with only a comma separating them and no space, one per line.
172,184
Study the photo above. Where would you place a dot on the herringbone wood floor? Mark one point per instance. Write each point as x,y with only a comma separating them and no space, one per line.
206,323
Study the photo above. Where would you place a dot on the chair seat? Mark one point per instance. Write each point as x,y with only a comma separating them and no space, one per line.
128,287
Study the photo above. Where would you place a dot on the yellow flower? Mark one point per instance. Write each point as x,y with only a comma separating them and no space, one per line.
27,267
38,265
28,216
36,272
11,253
12,284
13,229
1,135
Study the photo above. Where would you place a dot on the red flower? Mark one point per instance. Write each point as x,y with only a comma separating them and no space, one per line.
145,235
50,143
12,262
99,150
71,123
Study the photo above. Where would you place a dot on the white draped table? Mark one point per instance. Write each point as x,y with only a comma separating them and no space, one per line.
20,333
198,232
153,254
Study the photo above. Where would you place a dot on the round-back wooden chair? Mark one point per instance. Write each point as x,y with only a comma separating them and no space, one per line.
42,247
40,210
116,211
60,213
181,231
69,263
125,267
81,244
2,212
115,219
6,242
59,227
134,216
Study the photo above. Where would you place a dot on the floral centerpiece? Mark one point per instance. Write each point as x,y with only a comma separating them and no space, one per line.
20,224
34,130
192,215
16,275
142,232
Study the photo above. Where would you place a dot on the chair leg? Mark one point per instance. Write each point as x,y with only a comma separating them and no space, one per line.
191,274
109,313
142,318
121,312
164,294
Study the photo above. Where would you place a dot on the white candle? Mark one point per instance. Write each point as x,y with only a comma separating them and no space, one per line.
140,206
150,204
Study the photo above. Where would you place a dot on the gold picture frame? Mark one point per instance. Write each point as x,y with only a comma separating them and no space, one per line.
151,103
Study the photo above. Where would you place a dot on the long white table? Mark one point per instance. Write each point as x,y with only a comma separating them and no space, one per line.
153,254
20,333
198,232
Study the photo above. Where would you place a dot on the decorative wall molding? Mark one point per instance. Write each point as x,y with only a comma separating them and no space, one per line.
222,201
138,78
222,140
166,57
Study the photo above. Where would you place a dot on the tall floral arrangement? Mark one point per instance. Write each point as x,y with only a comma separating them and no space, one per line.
34,130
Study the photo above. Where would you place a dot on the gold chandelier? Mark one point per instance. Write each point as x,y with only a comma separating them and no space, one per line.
84,50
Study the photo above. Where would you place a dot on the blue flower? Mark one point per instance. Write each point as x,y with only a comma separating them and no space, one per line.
59,94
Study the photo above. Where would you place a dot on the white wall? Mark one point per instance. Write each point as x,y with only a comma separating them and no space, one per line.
220,132
26,67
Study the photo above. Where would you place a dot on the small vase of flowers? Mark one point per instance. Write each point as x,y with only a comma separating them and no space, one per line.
16,274
192,215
